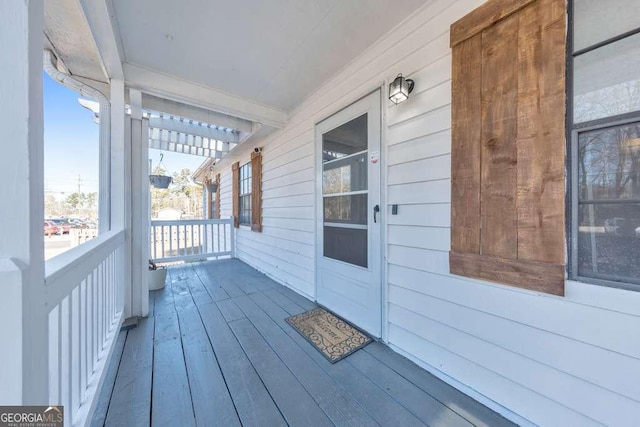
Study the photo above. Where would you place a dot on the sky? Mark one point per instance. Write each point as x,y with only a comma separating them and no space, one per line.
71,144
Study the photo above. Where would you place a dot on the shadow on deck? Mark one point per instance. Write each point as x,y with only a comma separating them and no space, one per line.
216,350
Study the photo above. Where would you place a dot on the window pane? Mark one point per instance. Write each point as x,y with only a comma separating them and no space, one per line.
346,139
606,81
609,163
245,209
609,241
345,175
596,20
346,244
346,209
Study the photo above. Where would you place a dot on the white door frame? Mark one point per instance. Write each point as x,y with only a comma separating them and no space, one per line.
379,257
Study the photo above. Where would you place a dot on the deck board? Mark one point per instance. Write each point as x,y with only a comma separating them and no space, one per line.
131,397
252,400
341,408
216,350
473,411
209,282
109,382
423,406
212,403
295,403
230,310
382,407
171,402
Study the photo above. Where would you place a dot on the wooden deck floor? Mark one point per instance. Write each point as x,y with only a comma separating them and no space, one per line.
216,350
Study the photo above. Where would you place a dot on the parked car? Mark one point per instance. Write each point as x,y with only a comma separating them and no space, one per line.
50,228
64,225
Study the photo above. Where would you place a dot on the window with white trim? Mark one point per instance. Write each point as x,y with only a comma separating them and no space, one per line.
244,196
604,121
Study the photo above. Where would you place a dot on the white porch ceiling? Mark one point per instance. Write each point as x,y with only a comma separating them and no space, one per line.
273,52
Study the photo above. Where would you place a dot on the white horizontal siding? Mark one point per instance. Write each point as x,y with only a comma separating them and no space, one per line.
285,248
536,358
226,207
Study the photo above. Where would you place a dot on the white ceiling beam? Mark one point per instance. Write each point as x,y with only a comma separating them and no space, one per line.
180,90
101,20
153,103
184,149
171,137
187,127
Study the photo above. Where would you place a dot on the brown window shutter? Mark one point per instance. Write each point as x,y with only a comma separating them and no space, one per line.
235,193
256,192
217,214
508,144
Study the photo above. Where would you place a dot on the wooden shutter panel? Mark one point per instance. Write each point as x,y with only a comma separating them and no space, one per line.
217,214
235,193
256,191
508,144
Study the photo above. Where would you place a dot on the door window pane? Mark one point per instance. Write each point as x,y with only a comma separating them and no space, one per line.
606,81
609,241
345,175
346,139
609,163
346,209
597,20
344,170
346,244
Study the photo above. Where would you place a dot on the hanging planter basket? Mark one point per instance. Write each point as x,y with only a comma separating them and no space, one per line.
160,181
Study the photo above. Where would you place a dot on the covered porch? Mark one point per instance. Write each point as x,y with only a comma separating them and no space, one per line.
216,350
486,228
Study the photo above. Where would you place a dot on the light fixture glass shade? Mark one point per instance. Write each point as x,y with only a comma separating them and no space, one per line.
400,89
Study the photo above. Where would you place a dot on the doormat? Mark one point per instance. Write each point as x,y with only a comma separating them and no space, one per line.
330,335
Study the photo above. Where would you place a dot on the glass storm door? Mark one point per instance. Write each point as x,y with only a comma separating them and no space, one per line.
349,214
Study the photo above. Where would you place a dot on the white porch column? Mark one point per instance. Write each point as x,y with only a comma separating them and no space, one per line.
120,181
140,212
23,315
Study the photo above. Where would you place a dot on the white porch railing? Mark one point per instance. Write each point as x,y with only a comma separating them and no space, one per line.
84,296
186,240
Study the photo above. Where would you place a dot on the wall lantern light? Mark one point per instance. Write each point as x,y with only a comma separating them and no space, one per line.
399,89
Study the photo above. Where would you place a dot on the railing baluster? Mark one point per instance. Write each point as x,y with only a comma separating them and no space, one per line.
54,356
105,307
112,278
218,237
163,255
100,309
69,375
204,239
95,314
75,348
89,313
224,230
65,362
83,336
170,240
193,246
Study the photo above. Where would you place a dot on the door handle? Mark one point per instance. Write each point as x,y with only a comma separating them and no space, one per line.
376,209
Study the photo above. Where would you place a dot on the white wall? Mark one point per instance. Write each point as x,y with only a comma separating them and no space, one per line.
550,360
